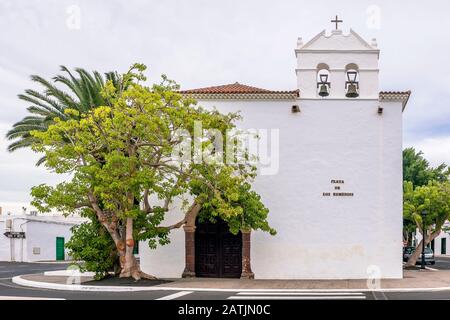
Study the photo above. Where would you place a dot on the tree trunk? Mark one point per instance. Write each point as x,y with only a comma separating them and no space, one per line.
129,264
418,251
406,237
130,267
416,254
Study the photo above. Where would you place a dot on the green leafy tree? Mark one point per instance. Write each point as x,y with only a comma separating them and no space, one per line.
121,159
417,170
252,209
435,199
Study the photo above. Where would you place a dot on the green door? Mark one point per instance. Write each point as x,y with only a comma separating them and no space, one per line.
136,248
59,248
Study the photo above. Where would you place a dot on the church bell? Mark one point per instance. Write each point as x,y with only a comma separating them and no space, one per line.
323,85
351,91
323,92
352,85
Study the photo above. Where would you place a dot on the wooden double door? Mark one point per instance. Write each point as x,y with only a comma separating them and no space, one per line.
218,253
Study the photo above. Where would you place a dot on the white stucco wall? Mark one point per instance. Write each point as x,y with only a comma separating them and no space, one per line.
320,237
40,232
4,243
166,261
438,250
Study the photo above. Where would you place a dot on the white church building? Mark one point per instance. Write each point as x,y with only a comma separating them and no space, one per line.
336,197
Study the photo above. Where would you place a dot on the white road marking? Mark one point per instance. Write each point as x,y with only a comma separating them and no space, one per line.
246,295
27,298
289,295
175,295
432,269
301,293
375,295
296,297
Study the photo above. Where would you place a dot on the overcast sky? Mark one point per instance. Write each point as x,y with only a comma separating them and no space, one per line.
211,42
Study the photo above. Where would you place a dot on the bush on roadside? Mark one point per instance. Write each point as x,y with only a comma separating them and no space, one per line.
93,247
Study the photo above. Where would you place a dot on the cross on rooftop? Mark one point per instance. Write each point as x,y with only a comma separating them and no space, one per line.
337,21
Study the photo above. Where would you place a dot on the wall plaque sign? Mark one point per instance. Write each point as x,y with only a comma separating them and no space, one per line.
337,186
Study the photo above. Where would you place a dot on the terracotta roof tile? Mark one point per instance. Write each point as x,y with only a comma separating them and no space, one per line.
235,88
402,96
386,93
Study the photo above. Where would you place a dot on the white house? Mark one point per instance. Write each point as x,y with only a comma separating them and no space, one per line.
333,183
440,244
28,238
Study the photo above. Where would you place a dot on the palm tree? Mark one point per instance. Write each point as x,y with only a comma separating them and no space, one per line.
83,93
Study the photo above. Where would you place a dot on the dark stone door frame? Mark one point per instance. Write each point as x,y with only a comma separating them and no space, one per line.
247,272
189,236
189,240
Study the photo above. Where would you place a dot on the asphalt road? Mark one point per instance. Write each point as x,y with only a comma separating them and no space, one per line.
442,263
11,290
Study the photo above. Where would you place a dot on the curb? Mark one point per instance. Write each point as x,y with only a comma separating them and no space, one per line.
70,273
74,287
51,262
79,287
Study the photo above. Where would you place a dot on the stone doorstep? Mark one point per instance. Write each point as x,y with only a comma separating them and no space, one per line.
412,279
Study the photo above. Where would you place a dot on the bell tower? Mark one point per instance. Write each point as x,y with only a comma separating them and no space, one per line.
337,66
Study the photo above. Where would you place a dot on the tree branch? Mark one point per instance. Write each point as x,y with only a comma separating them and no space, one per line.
190,215
147,207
